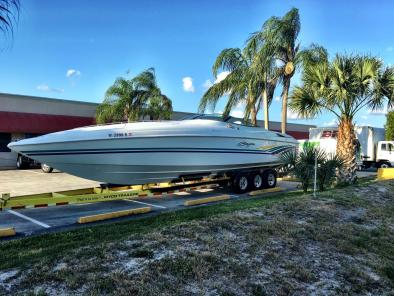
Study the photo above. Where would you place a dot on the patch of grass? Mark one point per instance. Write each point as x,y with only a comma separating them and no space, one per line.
52,246
143,253
388,270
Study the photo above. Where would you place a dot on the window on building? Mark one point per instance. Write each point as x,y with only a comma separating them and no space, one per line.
5,139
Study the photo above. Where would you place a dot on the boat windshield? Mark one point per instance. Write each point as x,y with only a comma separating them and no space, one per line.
217,117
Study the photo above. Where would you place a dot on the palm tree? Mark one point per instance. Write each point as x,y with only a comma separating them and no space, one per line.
343,87
130,99
281,35
263,62
158,107
9,10
242,85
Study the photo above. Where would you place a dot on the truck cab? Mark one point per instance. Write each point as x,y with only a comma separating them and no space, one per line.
385,154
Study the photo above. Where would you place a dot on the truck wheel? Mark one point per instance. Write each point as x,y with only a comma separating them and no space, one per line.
241,183
46,168
385,165
269,179
257,181
21,163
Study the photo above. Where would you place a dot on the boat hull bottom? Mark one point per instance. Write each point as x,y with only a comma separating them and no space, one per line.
138,175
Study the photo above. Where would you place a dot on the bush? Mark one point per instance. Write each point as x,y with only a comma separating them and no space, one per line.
302,165
390,126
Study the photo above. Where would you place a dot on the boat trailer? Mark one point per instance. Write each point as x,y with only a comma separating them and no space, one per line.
105,193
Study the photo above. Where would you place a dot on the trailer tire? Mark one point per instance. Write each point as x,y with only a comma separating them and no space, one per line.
269,178
384,165
241,183
257,181
21,164
46,168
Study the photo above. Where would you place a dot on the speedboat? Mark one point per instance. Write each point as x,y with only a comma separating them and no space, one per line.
158,151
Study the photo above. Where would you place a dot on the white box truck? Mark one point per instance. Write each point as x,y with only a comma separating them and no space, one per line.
372,149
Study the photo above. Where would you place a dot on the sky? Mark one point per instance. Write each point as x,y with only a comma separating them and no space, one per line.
76,49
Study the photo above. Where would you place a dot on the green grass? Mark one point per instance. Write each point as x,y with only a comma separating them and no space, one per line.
26,251
272,245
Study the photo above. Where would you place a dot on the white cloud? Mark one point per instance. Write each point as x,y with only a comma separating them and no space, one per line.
390,48
237,113
73,73
365,117
292,115
188,84
333,122
277,98
207,84
381,111
221,76
45,87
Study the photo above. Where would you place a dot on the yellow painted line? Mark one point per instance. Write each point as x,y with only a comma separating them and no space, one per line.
4,232
385,174
112,215
257,192
200,201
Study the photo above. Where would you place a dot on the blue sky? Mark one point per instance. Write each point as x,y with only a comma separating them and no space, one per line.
76,49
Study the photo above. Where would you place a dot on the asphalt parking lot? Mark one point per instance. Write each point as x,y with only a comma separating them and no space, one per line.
38,220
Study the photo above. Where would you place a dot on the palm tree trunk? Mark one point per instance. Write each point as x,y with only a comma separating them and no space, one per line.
285,94
253,115
266,115
346,149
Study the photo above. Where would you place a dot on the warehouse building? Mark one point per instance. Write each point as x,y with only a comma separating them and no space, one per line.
27,116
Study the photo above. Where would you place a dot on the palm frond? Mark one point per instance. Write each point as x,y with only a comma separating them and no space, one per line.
229,59
9,12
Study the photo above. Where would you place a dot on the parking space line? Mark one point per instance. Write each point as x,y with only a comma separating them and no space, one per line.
29,219
204,190
182,193
145,203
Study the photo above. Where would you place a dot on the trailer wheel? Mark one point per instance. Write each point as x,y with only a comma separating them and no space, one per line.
241,183
257,181
384,165
269,179
21,163
46,168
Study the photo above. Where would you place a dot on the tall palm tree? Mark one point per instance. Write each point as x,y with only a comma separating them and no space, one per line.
281,35
9,10
242,85
343,87
130,99
263,62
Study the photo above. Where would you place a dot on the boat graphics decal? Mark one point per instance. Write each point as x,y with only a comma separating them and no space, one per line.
261,150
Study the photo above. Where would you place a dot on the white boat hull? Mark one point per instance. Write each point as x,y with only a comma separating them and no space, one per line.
139,158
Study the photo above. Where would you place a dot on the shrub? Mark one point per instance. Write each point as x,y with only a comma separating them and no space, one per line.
302,165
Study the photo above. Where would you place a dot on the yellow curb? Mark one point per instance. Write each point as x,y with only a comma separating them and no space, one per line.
4,232
289,179
199,201
257,192
112,215
385,173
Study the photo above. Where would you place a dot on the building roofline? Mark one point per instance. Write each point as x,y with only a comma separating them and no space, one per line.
47,99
